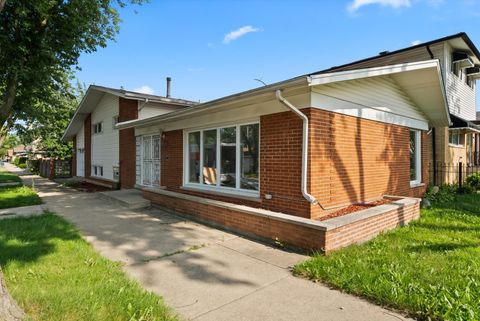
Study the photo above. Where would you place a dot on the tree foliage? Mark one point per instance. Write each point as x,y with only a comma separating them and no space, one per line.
40,42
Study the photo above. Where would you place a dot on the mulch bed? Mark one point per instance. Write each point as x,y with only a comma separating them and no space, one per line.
88,187
355,208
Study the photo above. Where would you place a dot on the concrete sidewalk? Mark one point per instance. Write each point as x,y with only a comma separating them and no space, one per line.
203,273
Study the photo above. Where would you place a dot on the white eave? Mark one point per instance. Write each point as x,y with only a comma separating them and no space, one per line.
422,82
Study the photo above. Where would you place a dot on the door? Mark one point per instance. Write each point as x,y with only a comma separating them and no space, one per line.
151,160
81,162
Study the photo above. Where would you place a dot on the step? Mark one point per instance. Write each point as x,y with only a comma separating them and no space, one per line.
129,198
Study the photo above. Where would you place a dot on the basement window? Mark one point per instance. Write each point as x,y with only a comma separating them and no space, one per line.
223,159
97,170
415,158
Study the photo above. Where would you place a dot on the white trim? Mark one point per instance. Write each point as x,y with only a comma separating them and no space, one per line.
329,78
418,158
142,157
237,190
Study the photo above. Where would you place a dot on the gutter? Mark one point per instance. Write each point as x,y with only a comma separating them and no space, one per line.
286,103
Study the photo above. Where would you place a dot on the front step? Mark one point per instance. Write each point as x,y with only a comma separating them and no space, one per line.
129,198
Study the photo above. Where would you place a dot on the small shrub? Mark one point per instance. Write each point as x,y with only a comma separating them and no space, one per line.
22,166
441,194
474,181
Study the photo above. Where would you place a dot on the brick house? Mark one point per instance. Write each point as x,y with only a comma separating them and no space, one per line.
270,162
101,153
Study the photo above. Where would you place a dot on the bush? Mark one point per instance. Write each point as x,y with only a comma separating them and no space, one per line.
20,160
474,181
22,166
441,194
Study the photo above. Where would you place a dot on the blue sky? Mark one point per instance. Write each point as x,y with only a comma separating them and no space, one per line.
214,48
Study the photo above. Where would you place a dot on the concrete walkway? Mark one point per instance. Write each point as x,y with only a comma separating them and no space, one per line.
203,273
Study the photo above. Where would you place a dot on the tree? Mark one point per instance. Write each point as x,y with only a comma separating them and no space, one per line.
9,310
43,121
40,40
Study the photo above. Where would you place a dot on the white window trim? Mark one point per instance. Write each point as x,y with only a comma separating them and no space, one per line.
93,128
98,167
217,188
418,159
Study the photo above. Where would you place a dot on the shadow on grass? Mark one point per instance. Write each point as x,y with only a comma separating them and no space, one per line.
443,247
28,239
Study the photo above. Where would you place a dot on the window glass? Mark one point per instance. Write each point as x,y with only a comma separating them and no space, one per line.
194,157
413,155
228,153
249,156
156,146
210,157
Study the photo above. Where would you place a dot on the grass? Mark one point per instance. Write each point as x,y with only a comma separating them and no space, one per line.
55,275
430,269
18,196
7,177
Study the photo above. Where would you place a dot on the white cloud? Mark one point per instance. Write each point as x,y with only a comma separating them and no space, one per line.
235,34
145,90
416,42
357,4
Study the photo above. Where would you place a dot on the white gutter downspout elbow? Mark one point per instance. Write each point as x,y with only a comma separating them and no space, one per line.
286,103
143,105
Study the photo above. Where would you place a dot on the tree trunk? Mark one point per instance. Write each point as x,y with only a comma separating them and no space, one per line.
9,310
8,99
2,4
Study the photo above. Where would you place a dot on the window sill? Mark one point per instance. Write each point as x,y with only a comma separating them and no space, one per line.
249,196
416,184
456,146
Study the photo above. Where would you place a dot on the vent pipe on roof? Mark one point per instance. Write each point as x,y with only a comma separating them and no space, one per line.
169,80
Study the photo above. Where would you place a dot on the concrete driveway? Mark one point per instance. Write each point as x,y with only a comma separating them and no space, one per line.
203,273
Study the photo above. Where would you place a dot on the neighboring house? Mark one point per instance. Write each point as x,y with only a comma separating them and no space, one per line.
460,64
17,151
103,154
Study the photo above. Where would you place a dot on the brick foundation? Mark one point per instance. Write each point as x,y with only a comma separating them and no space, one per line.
306,234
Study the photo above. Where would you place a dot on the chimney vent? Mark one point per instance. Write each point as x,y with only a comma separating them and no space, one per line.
169,80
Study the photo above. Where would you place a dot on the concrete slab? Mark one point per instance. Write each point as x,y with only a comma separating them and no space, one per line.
130,198
264,253
23,211
209,277
292,298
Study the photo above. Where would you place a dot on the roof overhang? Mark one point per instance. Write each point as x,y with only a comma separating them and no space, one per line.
256,95
421,81
94,94
460,124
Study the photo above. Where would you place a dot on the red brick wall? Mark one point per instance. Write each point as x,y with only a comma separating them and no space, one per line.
128,110
355,160
87,124
296,235
74,156
351,160
367,229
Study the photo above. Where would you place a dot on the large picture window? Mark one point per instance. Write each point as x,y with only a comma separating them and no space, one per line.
225,158
415,157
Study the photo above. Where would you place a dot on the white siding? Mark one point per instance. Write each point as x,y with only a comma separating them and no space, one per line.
460,96
80,143
378,98
105,146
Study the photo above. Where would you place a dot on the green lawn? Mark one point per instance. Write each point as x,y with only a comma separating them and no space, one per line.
7,177
55,275
18,196
430,269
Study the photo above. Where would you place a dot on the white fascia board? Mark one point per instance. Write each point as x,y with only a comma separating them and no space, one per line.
329,78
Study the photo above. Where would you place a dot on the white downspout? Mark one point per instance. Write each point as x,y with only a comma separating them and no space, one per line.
143,105
285,102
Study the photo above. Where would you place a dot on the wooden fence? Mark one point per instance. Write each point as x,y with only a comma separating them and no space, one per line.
52,168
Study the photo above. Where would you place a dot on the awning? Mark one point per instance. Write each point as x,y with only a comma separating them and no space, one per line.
460,124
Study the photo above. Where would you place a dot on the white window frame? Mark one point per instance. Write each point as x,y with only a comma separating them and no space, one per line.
418,158
96,169
159,160
461,140
95,128
218,188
